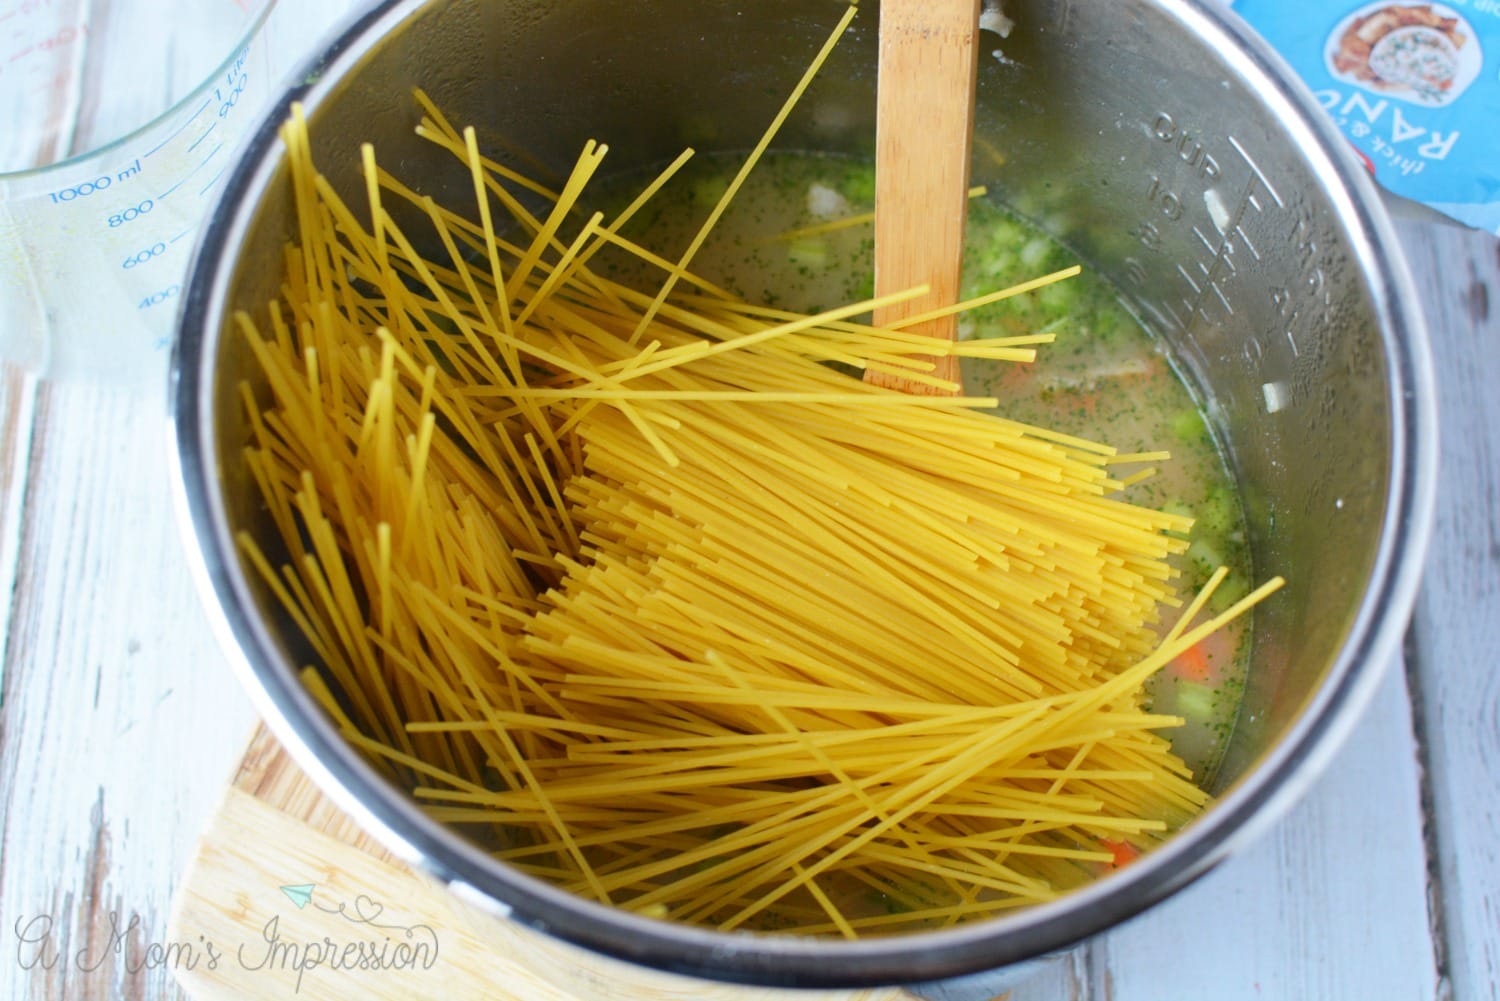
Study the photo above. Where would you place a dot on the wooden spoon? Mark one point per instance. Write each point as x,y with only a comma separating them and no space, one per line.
923,132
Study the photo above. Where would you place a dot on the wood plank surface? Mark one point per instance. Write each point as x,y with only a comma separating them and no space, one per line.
1458,613
115,704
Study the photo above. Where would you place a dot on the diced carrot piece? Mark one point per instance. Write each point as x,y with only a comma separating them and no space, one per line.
1123,851
1192,664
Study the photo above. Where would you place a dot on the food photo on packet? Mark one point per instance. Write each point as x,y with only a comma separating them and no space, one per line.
1414,87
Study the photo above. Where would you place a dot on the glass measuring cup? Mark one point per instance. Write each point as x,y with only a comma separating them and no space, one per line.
111,145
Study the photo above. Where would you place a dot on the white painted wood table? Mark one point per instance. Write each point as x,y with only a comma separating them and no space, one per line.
119,721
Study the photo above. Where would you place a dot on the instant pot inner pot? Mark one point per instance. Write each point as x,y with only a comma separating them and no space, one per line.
1149,150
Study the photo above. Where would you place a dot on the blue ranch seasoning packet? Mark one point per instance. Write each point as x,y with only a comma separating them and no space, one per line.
1415,87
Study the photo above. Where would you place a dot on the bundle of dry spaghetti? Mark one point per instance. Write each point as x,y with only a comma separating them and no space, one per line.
661,607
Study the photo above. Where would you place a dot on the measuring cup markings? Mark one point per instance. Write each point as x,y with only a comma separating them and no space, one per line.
188,176
1253,272
125,217
102,188
1232,234
180,129
190,138
1227,231
1304,306
1190,149
206,132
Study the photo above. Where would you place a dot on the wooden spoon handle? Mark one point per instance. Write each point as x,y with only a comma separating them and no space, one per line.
924,130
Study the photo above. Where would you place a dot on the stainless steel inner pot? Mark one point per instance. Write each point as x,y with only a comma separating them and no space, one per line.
1156,137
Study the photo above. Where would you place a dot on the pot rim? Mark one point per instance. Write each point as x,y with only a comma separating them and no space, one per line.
1251,805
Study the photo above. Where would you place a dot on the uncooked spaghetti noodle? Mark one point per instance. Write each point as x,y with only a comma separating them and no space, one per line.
661,607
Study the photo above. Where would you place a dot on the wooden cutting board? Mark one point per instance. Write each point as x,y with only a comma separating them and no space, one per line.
286,896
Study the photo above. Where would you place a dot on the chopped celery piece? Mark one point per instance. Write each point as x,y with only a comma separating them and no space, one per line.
1189,427
1034,253
1195,701
1205,556
1232,589
1106,325
1180,509
1219,514
810,252
1059,300
858,184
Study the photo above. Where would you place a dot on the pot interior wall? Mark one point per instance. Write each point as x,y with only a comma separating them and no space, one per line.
1153,160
